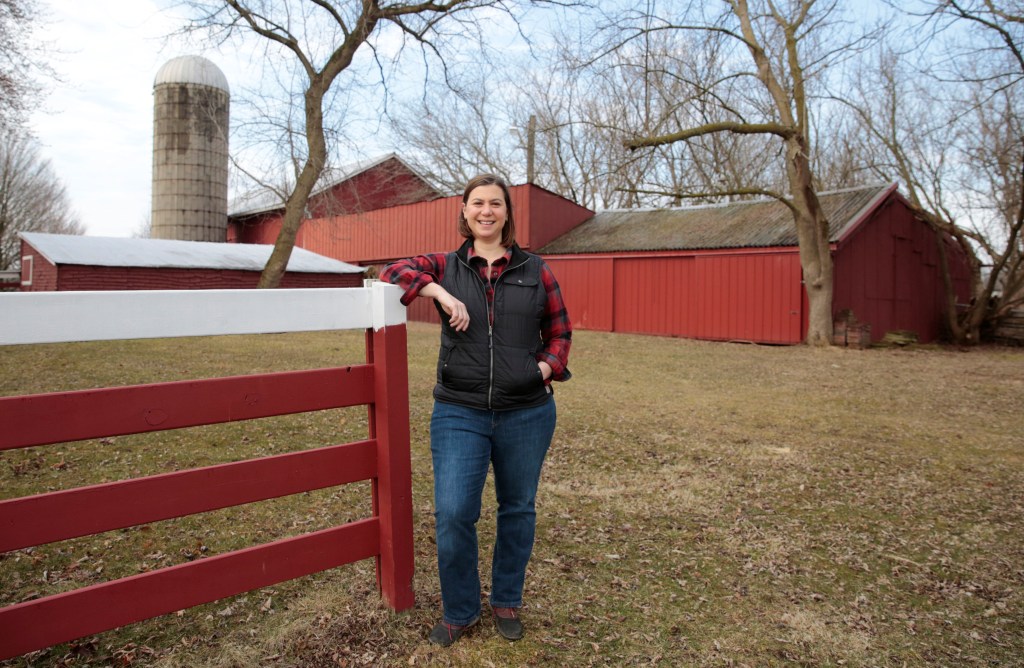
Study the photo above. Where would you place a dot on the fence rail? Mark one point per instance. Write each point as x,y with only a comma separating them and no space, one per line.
45,419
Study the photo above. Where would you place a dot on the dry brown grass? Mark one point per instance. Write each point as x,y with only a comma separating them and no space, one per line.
704,504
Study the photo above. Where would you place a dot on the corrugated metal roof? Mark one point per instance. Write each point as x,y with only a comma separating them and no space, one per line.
757,223
166,253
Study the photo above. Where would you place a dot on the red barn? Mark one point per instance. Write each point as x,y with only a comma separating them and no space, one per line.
732,272
51,262
366,186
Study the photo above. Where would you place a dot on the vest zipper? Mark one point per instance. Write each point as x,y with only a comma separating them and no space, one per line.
490,340
490,322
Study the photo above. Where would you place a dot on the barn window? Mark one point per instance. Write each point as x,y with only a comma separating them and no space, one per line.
26,270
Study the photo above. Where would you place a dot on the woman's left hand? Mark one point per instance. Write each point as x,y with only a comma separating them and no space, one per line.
545,370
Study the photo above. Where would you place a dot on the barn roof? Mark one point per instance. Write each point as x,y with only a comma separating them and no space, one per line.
264,200
756,223
166,253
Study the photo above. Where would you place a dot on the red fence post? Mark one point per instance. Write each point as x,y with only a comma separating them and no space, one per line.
389,424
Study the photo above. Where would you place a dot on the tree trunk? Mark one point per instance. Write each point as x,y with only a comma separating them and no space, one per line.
295,208
294,213
813,239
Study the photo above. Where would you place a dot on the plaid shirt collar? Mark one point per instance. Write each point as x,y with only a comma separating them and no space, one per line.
472,256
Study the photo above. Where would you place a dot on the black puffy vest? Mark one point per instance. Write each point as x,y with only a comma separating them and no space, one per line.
495,370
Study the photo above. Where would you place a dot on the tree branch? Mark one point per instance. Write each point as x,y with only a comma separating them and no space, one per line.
777,129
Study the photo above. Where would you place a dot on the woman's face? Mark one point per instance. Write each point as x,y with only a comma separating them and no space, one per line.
485,212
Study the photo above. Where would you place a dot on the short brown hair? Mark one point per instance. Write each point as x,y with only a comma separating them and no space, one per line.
508,232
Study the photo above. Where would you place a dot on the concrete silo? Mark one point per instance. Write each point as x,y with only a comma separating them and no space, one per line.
190,151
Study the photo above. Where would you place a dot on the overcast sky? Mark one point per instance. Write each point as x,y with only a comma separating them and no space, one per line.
96,124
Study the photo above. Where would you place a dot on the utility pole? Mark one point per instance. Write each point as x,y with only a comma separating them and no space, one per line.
531,147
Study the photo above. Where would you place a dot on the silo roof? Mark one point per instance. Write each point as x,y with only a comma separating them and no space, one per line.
166,253
192,70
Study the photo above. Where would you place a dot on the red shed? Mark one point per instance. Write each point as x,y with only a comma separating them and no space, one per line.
51,262
365,186
732,272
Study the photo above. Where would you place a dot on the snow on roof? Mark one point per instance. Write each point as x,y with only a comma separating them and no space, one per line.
123,252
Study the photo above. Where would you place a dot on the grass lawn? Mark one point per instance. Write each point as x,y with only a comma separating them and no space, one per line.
703,504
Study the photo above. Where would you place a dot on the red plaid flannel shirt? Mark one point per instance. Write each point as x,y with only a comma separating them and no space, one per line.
555,328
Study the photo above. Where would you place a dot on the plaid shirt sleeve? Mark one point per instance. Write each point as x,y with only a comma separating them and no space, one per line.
555,328
414,273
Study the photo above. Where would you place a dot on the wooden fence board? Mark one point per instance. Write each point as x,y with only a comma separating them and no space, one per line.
89,610
83,511
58,417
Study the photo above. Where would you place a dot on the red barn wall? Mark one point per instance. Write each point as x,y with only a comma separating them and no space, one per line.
82,277
542,216
375,237
587,284
422,310
43,272
261,229
887,272
387,184
379,236
751,295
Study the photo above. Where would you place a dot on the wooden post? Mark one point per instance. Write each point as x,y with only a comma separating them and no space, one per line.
386,350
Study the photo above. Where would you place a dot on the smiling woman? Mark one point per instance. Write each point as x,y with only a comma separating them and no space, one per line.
505,336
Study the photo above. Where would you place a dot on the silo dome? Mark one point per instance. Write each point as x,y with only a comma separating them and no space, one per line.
191,103
192,70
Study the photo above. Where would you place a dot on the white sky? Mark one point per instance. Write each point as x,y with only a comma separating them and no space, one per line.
96,124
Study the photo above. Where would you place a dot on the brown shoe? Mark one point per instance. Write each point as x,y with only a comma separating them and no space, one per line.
444,634
507,621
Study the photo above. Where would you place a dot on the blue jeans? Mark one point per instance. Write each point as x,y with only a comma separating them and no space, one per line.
464,442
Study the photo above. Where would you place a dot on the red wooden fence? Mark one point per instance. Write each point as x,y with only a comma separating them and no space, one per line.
46,419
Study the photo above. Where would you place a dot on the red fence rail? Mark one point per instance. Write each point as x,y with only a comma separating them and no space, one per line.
45,419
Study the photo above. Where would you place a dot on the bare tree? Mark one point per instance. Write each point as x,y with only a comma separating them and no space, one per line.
19,61
668,81
569,119
994,190
950,130
322,38
32,198
990,62
466,135
791,46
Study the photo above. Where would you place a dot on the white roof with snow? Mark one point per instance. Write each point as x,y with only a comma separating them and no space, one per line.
166,253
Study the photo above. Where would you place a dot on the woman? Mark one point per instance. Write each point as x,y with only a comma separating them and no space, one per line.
505,335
